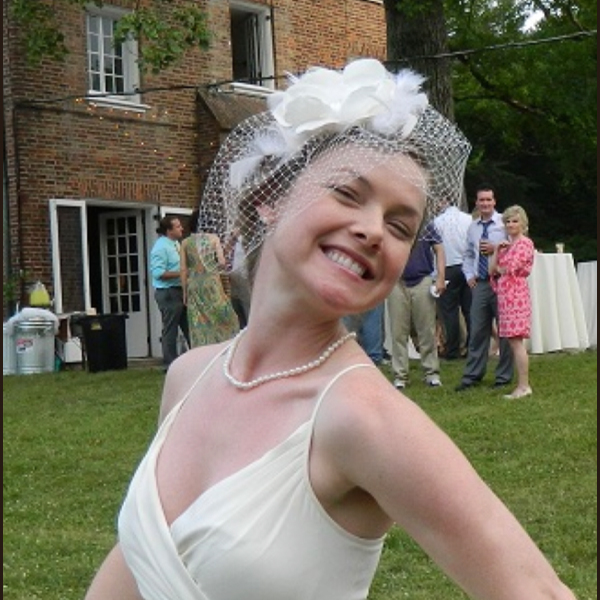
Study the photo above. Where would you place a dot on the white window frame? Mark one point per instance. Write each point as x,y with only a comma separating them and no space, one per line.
131,72
265,38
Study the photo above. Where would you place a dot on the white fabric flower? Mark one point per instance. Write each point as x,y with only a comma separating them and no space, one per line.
326,101
364,93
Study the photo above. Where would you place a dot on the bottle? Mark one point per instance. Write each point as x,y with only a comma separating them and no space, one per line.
39,295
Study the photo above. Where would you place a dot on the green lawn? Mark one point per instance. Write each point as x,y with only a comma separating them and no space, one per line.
72,440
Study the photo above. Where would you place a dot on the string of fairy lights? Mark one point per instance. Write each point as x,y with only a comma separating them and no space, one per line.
123,111
123,120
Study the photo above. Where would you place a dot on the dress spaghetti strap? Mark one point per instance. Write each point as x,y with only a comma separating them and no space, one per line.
330,384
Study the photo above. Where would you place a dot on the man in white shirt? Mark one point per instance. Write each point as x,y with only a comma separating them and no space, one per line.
452,224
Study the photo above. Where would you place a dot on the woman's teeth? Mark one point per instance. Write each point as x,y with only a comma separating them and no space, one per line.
346,262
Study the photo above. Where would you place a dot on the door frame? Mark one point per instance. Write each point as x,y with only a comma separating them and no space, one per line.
150,214
54,205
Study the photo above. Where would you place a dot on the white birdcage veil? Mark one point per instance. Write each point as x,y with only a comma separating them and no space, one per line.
366,108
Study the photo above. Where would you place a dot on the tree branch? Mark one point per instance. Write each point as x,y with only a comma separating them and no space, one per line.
499,94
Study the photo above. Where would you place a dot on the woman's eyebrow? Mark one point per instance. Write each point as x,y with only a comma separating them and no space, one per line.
354,174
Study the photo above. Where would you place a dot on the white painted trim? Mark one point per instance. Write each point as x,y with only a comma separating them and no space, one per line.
118,102
249,89
131,70
266,37
173,210
54,204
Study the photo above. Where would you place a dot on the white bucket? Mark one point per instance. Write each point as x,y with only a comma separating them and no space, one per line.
9,353
34,346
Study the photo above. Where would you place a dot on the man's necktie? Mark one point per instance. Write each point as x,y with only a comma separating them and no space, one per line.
482,270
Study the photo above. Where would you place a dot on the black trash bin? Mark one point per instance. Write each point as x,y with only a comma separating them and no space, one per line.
104,341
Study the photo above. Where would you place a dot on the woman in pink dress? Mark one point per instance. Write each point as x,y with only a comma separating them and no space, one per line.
509,267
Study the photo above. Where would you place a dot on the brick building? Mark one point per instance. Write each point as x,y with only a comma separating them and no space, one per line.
90,163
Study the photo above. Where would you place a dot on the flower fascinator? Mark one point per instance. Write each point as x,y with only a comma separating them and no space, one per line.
365,106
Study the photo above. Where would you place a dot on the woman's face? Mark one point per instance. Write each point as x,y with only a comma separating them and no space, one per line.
513,226
350,240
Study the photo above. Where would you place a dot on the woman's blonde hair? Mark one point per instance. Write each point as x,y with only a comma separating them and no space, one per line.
518,212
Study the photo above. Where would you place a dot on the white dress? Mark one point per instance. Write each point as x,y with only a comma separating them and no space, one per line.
259,534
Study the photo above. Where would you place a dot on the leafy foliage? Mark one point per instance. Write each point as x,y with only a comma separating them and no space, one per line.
43,38
530,110
164,33
164,42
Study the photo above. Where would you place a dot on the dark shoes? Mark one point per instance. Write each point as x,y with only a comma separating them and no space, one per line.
500,384
463,385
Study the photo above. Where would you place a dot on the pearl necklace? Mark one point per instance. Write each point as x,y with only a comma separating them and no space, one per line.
313,364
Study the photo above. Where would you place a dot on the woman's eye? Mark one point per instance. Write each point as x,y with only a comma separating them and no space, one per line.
345,192
401,230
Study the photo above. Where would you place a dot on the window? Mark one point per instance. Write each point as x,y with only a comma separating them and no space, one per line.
251,45
112,69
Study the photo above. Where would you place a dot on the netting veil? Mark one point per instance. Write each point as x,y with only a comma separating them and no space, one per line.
364,115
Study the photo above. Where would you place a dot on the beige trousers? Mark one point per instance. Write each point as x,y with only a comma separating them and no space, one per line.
413,308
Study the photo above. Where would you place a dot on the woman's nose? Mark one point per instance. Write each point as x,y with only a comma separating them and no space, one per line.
369,228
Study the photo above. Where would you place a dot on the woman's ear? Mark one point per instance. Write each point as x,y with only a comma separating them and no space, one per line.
266,213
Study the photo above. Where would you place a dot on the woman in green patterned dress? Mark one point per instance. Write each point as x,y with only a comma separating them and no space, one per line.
211,316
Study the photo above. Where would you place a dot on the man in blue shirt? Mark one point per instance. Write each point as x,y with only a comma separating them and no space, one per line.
483,234
166,280
411,305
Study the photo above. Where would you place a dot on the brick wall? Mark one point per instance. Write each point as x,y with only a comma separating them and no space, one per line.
60,146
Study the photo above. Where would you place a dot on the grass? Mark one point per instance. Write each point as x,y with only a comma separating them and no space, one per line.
72,440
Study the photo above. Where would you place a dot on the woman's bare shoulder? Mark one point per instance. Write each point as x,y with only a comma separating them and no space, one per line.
359,400
184,372
364,410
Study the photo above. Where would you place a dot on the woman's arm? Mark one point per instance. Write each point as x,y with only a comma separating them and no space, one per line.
440,263
494,269
219,252
183,269
383,443
113,579
520,261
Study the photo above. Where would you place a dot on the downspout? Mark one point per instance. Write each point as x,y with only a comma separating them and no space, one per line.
18,203
7,271
273,44
6,246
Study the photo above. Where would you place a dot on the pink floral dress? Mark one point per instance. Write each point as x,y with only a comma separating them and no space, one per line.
514,301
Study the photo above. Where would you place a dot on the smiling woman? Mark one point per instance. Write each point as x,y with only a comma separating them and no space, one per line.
262,487
364,107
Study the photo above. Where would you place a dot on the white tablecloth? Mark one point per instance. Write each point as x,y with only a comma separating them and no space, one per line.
587,274
558,319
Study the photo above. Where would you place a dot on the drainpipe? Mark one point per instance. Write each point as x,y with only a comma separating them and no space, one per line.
6,245
273,44
5,218
19,209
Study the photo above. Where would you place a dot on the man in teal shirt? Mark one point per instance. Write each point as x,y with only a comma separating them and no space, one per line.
166,280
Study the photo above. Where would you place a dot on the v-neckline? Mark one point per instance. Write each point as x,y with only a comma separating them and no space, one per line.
170,419
213,488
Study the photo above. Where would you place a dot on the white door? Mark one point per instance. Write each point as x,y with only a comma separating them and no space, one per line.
124,275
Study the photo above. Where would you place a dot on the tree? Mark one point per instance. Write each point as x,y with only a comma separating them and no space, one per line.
416,31
165,32
527,101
